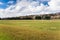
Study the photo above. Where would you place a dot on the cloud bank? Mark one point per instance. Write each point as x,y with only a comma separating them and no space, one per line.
30,7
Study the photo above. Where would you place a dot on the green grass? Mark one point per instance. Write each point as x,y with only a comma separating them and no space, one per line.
29,29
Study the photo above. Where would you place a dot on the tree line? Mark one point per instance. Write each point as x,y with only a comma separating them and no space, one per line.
35,17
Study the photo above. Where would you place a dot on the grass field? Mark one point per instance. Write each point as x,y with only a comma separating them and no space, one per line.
29,29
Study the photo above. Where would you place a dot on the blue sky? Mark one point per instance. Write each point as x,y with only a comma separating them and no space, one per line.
14,8
5,3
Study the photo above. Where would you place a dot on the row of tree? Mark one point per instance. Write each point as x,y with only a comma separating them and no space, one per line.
30,17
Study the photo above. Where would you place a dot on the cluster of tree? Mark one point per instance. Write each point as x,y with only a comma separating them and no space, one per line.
30,17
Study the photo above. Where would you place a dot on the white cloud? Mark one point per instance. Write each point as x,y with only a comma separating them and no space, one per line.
11,2
25,7
1,3
54,5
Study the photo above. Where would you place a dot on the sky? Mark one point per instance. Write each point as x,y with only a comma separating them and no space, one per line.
5,3
16,8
